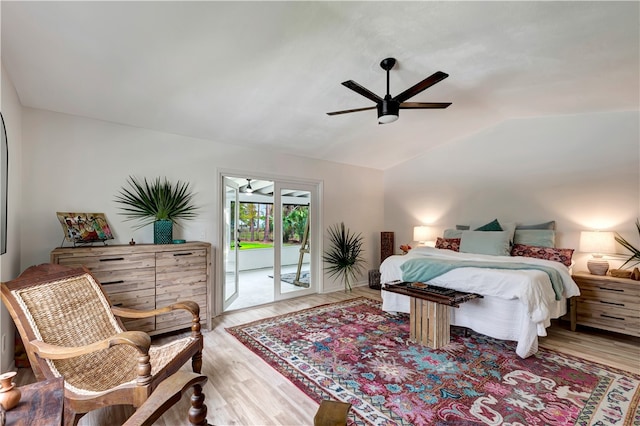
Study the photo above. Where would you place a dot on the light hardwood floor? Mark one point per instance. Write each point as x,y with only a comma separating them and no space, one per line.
243,390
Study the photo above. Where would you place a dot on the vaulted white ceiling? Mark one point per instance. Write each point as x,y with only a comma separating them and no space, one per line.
264,74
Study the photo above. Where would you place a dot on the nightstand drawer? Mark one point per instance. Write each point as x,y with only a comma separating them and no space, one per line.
607,303
608,296
606,317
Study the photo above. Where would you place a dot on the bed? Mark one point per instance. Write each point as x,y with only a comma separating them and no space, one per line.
522,292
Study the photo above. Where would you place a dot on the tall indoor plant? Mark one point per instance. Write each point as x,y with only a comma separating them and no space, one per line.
343,258
635,252
159,202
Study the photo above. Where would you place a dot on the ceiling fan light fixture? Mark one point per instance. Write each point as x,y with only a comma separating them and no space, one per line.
388,111
248,189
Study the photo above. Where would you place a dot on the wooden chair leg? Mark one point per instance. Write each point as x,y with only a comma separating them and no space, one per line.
198,411
69,416
196,362
167,394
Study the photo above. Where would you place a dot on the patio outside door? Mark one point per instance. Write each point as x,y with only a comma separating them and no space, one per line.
230,242
295,239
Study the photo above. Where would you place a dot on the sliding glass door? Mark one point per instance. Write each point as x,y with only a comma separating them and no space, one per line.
269,239
230,245
295,240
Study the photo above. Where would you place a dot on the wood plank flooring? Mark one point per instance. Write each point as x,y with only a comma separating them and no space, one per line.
243,390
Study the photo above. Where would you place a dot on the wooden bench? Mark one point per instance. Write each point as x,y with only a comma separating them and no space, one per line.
429,316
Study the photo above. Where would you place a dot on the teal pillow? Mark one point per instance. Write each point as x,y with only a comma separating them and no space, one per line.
547,225
494,225
452,233
480,242
535,237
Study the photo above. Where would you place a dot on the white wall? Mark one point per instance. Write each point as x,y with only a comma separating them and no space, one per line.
10,261
582,171
77,164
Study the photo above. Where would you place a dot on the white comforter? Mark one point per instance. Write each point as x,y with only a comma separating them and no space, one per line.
529,288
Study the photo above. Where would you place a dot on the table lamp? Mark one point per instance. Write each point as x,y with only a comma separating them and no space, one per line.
597,243
421,234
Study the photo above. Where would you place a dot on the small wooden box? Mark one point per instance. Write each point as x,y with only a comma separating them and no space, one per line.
374,279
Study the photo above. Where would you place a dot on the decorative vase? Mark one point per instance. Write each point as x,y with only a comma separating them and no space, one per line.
162,231
9,393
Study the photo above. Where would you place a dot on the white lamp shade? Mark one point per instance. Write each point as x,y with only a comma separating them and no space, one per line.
421,233
597,242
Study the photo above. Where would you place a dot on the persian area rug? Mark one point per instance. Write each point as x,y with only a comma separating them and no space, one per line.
353,352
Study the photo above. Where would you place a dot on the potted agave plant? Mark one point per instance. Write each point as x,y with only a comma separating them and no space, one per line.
159,202
634,259
343,258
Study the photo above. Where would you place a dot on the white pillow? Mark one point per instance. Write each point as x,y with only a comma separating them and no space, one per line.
496,243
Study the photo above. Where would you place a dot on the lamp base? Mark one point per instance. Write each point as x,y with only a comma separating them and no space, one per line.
598,266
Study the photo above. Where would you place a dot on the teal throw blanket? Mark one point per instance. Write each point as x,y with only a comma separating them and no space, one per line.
425,269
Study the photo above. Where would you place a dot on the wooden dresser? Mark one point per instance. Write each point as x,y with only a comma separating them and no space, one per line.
148,276
607,303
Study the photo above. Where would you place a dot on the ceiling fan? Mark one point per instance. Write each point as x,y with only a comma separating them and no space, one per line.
389,107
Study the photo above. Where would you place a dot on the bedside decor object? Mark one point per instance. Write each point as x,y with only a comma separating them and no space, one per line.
387,243
344,258
635,252
84,228
159,202
374,279
9,393
405,248
597,243
421,234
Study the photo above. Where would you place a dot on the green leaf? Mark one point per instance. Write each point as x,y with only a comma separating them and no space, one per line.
156,200
635,252
343,259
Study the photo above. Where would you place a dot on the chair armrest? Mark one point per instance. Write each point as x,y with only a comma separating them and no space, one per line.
188,305
138,339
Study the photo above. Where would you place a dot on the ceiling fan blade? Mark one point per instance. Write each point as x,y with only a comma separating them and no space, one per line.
361,90
350,110
424,84
424,105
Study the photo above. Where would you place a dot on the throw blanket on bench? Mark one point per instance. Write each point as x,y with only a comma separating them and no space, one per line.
425,269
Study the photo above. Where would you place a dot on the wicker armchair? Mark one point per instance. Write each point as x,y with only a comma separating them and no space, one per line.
70,330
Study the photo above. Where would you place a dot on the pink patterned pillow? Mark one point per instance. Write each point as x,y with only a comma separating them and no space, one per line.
448,243
558,254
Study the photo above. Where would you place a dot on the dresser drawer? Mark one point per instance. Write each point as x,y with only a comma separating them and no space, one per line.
181,260
180,318
144,300
111,262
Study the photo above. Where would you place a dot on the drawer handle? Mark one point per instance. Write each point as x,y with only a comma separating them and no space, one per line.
612,289
118,304
113,282
182,254
112,259
611,303
612,317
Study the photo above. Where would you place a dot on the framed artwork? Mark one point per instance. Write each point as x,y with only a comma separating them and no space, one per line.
84,228
4,188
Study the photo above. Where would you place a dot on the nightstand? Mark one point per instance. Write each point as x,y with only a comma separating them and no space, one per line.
606,303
